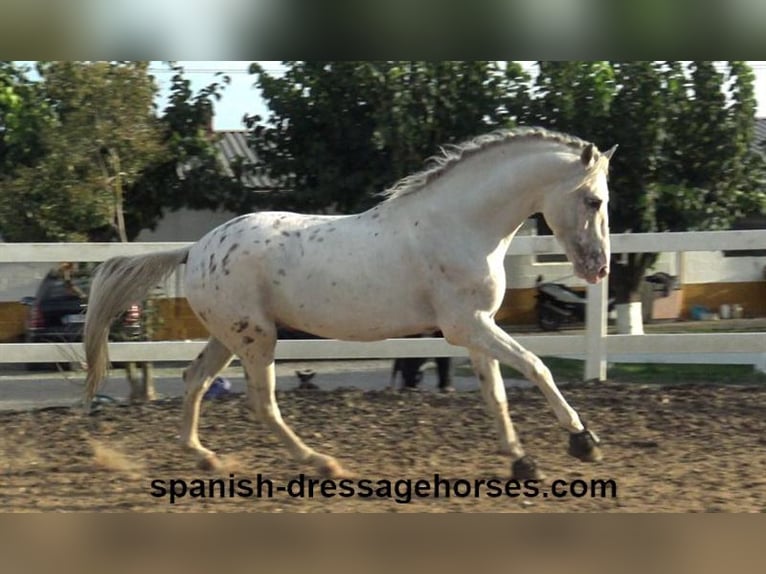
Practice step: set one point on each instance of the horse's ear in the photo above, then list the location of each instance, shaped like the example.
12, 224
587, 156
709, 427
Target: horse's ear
610, 153
587, 155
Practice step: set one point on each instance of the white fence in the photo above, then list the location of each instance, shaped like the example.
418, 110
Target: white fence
595, 346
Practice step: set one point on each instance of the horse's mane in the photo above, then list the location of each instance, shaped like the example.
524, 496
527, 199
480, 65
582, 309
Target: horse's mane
452, 154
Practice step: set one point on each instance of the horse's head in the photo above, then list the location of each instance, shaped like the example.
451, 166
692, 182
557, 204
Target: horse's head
578, 215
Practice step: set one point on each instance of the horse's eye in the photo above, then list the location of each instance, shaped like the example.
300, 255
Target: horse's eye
593, 203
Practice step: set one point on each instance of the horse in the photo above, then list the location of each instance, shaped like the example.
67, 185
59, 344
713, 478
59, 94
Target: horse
429, 256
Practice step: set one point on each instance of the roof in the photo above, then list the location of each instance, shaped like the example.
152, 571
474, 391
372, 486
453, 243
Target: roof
235, 153
760, 134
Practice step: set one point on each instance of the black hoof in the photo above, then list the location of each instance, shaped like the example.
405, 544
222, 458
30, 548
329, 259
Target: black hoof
584, 445
525, 468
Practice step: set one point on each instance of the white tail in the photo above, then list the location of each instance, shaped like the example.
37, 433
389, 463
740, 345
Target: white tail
118, 283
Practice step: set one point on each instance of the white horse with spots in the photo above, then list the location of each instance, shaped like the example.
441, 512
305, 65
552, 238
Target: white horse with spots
430, 256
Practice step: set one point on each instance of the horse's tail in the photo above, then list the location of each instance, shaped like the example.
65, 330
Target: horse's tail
117, 283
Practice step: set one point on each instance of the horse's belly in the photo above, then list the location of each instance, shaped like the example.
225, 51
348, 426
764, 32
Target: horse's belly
362, 312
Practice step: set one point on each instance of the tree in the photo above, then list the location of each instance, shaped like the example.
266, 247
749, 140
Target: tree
188, 173
341, 132
101, 135
24, 115
86, 157
685, 159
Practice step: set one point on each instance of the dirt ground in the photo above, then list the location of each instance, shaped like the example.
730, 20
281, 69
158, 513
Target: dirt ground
692, 448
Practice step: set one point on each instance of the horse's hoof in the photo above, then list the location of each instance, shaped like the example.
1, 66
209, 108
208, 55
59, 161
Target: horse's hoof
525, 468
584, 445
331, 468
210, 463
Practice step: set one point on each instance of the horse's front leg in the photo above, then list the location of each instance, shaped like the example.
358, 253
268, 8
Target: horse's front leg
487, 371
483, 335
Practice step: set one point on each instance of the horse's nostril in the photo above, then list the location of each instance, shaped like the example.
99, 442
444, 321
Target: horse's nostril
603, 272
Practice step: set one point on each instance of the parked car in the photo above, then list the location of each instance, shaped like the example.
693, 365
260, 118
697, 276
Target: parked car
57, 313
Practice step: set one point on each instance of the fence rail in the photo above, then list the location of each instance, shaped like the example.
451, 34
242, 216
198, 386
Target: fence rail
594, 345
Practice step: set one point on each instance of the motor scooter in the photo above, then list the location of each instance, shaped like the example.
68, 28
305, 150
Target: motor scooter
558, 305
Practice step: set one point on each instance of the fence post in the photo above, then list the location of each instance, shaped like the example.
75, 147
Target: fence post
595, 332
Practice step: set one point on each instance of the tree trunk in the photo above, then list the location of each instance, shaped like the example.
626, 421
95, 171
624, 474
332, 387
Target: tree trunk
119, 211
625, 280
140, 390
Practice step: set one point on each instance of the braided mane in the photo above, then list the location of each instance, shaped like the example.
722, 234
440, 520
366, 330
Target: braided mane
451, 155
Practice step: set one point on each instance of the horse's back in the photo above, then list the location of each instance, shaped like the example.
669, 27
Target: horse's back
334, 276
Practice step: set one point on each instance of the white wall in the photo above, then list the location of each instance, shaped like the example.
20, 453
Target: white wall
19, 280
704, 267
185, 225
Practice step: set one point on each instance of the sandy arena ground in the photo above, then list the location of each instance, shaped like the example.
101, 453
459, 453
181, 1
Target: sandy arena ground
691, 448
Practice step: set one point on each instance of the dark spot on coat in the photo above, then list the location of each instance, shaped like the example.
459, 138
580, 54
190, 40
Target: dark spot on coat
286, 233
267, 241
375, 215
258, 329
297, 234
334, 283
275, 282
376, 234
442, 269
241, 325
281, 272
222, 238
202, 316
417, 223
248, 340
320, 240
481, 377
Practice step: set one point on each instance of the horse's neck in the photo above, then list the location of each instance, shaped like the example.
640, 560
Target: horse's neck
495, 193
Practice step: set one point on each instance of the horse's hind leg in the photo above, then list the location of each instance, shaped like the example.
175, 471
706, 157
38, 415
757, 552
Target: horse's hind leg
258, 359
487, 371
197, 377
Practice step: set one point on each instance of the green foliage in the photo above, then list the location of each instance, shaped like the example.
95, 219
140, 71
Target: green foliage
685, 160
101, 134
341, 132
23, 117
187, 174
84, 155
